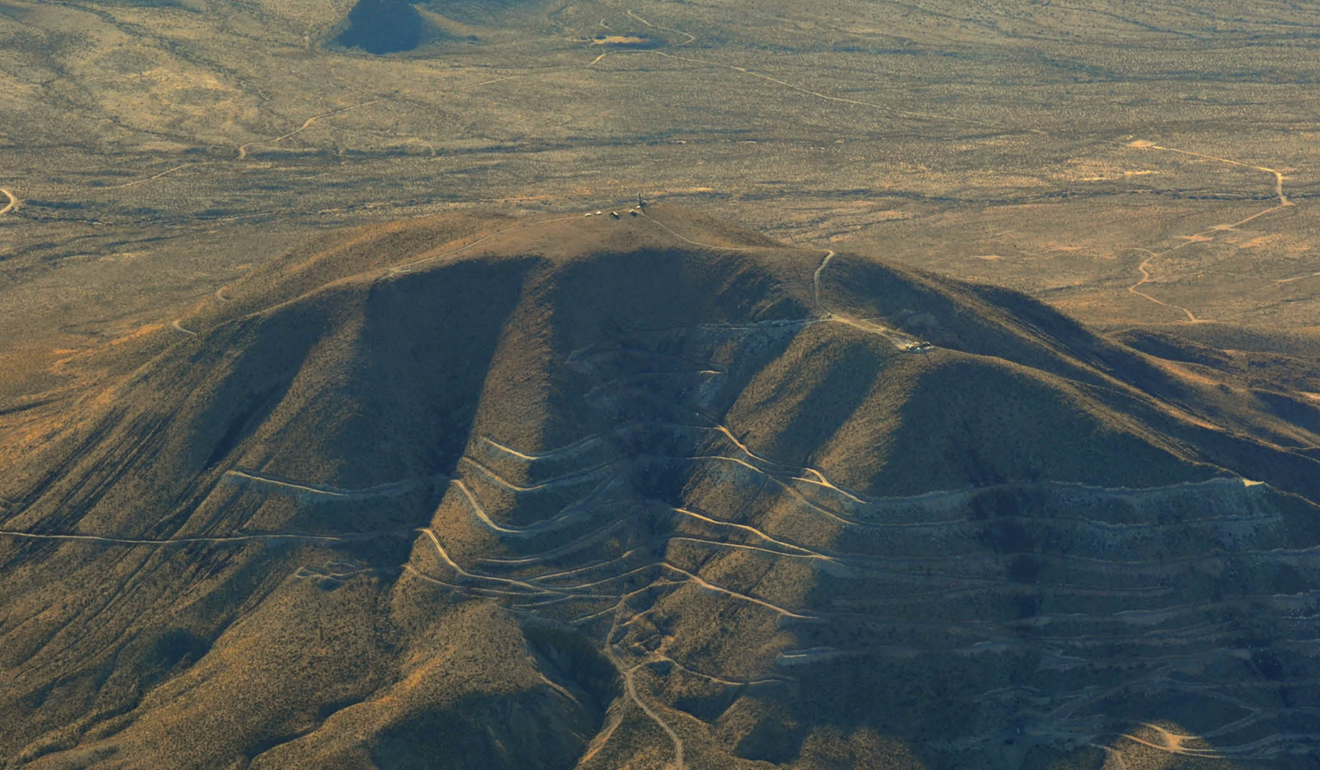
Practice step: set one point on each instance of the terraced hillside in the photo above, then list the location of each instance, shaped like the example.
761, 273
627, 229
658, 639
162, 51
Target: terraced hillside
649, 491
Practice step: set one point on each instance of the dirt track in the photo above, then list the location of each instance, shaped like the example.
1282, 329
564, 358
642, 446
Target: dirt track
11, 205
243, 150
631, 689
815, 277
178, 328
1204, 235
230, 539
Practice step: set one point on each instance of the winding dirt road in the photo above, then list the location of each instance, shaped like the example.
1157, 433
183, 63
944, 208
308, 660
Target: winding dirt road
569, 479
179, 328
11, 205
229, 539
631, 689
243, 149
318, 492
690, 37
567, 449
1204, 235
815, 279
957, 577
673, 736
899, 340
148, 179
1145, 279
545, 525
1278, 176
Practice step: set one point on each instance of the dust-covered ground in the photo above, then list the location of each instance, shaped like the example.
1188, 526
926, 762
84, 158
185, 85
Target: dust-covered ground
1127, 164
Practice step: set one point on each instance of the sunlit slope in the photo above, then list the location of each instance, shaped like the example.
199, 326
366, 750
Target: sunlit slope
645, 491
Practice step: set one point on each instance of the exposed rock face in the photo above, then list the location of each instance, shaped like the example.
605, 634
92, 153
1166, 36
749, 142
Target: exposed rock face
646, 492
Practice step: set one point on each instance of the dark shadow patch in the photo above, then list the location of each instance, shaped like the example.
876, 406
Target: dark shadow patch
1267, 663
169, 655
329, 584
266, 744
662, 479
176, 646
708, 706
1003, 530
328, 710
526, 730
977, 468
383, 27
1301, 413
1024, 568
243, 423
769, 741
570, 659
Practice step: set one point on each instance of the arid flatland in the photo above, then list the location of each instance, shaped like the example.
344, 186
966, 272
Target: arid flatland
160, 149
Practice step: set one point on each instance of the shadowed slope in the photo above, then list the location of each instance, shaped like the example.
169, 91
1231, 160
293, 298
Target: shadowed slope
647, 491
383, 26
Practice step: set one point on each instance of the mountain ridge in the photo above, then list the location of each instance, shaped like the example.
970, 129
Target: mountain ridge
644, 490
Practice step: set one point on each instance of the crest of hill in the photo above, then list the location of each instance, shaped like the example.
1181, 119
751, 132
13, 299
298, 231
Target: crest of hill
408, 338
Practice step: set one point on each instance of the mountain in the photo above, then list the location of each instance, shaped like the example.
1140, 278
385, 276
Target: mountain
643, 489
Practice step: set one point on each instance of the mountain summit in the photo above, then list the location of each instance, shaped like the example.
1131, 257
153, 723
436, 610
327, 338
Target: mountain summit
642, 489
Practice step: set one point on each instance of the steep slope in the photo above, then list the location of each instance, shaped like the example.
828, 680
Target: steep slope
650, 492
